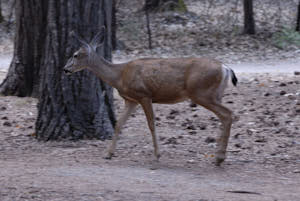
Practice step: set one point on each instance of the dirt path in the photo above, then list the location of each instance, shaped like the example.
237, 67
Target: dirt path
76, 180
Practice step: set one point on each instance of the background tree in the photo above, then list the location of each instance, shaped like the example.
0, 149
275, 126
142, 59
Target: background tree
249, 23
298, 18
1, 16
70, 107
23, 76
177, 5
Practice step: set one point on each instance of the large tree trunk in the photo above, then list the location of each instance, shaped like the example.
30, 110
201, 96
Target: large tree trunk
249, 23
23, 75
78, 106
175, 5
298, 18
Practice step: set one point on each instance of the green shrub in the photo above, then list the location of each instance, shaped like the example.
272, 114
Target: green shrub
286, 37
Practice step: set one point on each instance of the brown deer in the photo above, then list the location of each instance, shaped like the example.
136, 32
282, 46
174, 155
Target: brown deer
157, 80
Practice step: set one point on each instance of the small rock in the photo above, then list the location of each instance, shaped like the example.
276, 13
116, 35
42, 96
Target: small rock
202, 127
174, 112
282, 84
7, 123
296, 171
267, 94
297, 73
191, 161
4, 118
193, 105
3, 108
236, 136
192, 132
191, 127
210, 140
282, 93
261, 140
171, 140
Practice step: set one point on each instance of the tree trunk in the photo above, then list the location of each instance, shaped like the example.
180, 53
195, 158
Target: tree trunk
78, 106
114, 26
249, 23
298, 18
23, 75
1, 16
173, 5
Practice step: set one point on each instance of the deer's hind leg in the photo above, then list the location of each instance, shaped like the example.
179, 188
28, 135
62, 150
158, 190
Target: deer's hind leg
225, 116
147, 107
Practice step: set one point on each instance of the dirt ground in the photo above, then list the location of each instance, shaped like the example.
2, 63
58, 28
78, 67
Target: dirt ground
263, 160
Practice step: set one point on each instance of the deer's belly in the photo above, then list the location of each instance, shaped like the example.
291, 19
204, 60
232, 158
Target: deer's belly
169, 97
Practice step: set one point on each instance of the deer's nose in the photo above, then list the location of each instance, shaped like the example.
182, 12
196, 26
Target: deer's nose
68, 72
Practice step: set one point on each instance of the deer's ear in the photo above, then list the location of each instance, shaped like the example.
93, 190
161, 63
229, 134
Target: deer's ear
98, 38
82, 41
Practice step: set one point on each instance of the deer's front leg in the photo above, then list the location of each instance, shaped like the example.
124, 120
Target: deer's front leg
129, 108
147, 107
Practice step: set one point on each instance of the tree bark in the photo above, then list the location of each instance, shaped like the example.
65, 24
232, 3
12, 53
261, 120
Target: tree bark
1, 16
298, 18
78, 106
174, 5
23, 75
249, 23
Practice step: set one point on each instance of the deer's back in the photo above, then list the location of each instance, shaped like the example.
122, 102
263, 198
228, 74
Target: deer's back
168, 80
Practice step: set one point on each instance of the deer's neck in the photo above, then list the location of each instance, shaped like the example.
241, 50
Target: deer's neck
108, 72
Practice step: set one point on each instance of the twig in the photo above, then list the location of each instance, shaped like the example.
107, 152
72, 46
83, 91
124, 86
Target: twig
244, 192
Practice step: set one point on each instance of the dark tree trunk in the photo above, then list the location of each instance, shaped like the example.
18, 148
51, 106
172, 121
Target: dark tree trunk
78, 106
1, 16
175, 5
23, 75
249, 23
114, 26
298, 18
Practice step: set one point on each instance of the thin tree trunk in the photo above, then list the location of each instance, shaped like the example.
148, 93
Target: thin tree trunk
249, 23
298, 18
78, 106
148, 29
114, 25
1, 16
23, 75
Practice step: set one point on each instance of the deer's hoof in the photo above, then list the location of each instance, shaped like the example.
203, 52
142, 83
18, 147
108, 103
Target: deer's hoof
219, 161
109, 156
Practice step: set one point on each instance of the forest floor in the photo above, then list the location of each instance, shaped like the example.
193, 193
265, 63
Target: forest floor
263, 158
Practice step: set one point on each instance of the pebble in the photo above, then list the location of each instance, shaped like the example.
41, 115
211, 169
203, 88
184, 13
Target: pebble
296, 171
297, 73
210, 140
7, 123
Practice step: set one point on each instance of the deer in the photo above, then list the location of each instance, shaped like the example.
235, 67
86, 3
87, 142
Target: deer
146, 81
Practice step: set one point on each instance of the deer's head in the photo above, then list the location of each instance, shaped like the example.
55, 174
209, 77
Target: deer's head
81, 58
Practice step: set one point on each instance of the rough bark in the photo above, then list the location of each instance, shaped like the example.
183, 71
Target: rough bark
173, 5
78, 106
249, 23
23, 75
114, 26
298, 18
1, 16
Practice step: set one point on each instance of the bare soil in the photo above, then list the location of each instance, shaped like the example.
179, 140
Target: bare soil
263, 160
